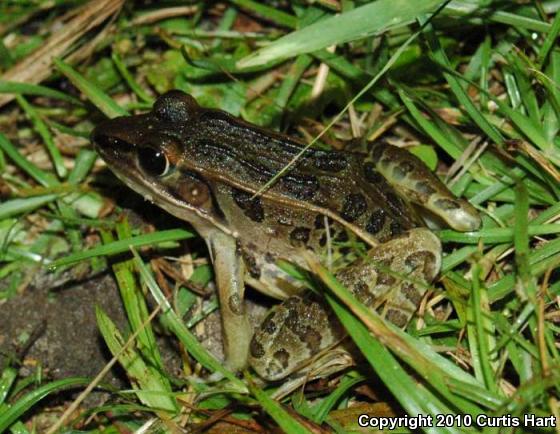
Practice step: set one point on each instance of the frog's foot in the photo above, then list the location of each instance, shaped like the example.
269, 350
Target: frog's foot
414, 181
324, 365
291, 335
395, 276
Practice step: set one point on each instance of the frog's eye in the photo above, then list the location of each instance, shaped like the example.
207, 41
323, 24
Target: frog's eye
152, 161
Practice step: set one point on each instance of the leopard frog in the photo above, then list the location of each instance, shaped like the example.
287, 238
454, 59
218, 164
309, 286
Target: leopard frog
204, 166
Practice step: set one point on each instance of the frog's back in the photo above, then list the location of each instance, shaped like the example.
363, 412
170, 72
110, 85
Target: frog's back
240, 158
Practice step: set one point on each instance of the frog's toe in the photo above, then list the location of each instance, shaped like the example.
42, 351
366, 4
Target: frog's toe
457, 213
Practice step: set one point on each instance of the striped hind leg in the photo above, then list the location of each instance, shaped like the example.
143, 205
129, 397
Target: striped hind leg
394, 277
414, 181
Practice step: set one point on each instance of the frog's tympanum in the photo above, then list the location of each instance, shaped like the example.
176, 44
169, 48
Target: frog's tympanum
205, 166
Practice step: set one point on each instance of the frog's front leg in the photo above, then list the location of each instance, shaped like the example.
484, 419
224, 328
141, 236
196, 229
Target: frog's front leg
230, 271
414, 182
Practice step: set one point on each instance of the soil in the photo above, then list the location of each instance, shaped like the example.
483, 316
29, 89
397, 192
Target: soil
56, 330
51, 325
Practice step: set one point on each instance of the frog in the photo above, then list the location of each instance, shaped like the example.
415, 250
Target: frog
212, 170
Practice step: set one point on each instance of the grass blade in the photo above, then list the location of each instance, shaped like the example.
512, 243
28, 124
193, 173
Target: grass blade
275, 410
178, 327
362, 22
45, 134
36, 90
92, 92
46, 179
124, 245
149, 383
26, 402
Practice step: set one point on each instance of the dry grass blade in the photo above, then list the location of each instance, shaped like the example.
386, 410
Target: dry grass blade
162, 14
541, 160
38, 65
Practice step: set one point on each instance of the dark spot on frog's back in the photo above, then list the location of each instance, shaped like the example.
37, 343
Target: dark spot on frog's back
424, 188
410, 292
394, 202
306, 334
269, 324
300, 235
251, 264
363, 293
312, 339
330, 161
300, 187
385, 279
376, 221
354, 206
377, 151
401, 170
424, 259
252, 208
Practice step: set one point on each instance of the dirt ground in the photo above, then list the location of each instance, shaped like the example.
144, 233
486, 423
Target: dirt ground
57, 330
53, 327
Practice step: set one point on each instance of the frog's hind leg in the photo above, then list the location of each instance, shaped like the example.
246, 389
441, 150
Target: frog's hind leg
293, 333
414, 181
394, 277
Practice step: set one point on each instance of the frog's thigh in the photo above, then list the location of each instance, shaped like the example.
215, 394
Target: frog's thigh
230, 271
301, 327
395, 275
414, 181
291, 334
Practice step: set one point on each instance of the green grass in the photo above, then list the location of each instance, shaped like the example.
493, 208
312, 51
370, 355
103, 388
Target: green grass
472, 88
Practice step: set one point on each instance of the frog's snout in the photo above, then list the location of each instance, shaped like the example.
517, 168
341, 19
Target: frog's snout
114, 138
108, 143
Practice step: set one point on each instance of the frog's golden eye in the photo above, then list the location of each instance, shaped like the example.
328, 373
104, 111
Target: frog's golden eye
153, 162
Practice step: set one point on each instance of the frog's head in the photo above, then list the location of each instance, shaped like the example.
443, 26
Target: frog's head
145, 152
